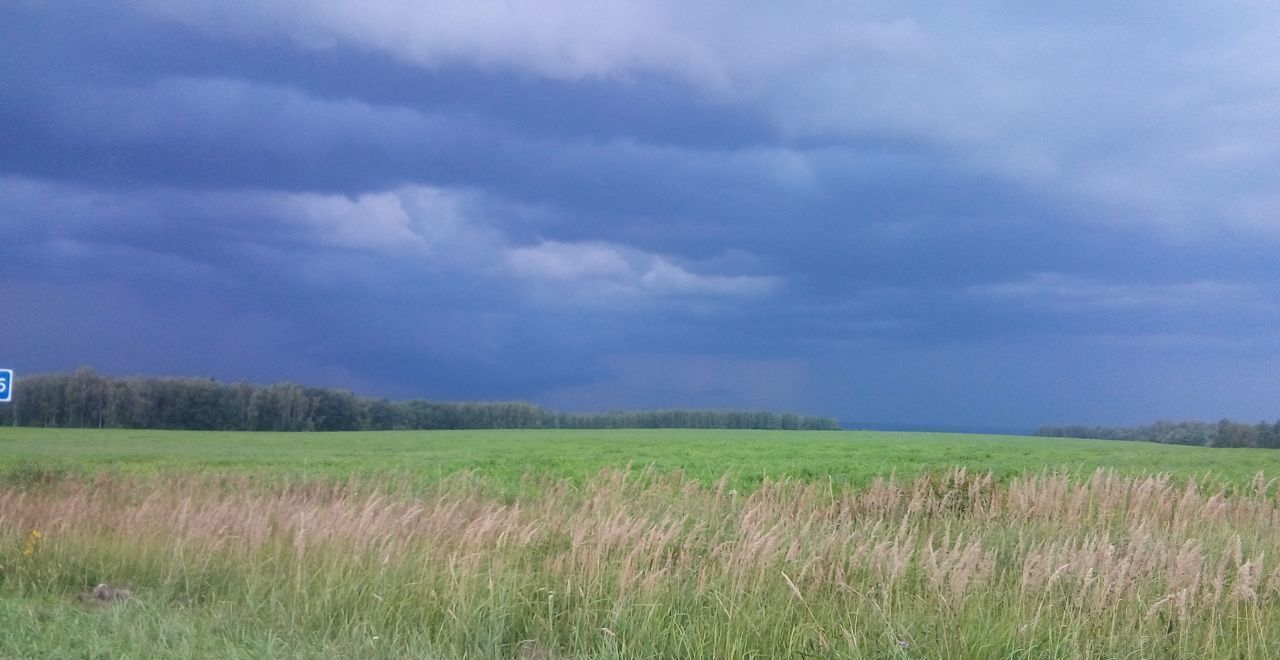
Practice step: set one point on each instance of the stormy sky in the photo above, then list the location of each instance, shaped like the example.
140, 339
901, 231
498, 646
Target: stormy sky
985, 213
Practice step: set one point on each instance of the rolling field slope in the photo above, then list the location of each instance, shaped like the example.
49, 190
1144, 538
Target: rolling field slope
712, 544
424, 456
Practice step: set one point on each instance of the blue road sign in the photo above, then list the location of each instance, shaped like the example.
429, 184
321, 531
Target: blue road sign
6, 385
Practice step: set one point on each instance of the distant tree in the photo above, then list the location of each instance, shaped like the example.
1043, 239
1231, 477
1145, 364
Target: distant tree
1232, 434
84, 398
1224, 433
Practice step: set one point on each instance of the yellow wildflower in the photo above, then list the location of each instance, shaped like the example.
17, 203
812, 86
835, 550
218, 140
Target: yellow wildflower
33, 542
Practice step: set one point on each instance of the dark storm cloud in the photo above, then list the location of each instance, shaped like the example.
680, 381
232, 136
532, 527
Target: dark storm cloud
987, 214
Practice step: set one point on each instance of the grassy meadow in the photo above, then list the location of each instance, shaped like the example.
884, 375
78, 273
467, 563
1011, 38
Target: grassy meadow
504, 457
634, 544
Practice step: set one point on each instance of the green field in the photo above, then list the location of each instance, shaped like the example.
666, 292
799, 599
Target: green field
633, 544
504, 456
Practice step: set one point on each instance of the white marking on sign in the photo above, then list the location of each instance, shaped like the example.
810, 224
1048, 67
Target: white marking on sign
6, 385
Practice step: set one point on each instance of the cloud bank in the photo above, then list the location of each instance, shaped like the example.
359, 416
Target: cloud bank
884, 211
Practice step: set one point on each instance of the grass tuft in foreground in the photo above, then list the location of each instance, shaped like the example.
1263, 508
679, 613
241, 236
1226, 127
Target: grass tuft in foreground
641, 564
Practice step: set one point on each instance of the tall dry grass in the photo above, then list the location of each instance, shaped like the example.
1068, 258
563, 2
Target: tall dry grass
641, 564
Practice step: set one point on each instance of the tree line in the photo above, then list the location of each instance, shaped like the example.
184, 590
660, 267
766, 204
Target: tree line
1225, 433
86, 399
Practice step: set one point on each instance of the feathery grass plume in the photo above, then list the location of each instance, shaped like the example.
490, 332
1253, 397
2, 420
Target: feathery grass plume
955, 563
1247, 580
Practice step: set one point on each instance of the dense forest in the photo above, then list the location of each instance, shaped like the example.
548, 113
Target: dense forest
87, 399
1225, 433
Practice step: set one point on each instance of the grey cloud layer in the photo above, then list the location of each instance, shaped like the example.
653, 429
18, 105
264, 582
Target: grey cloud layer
1143, 106
434, 229
572, 201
